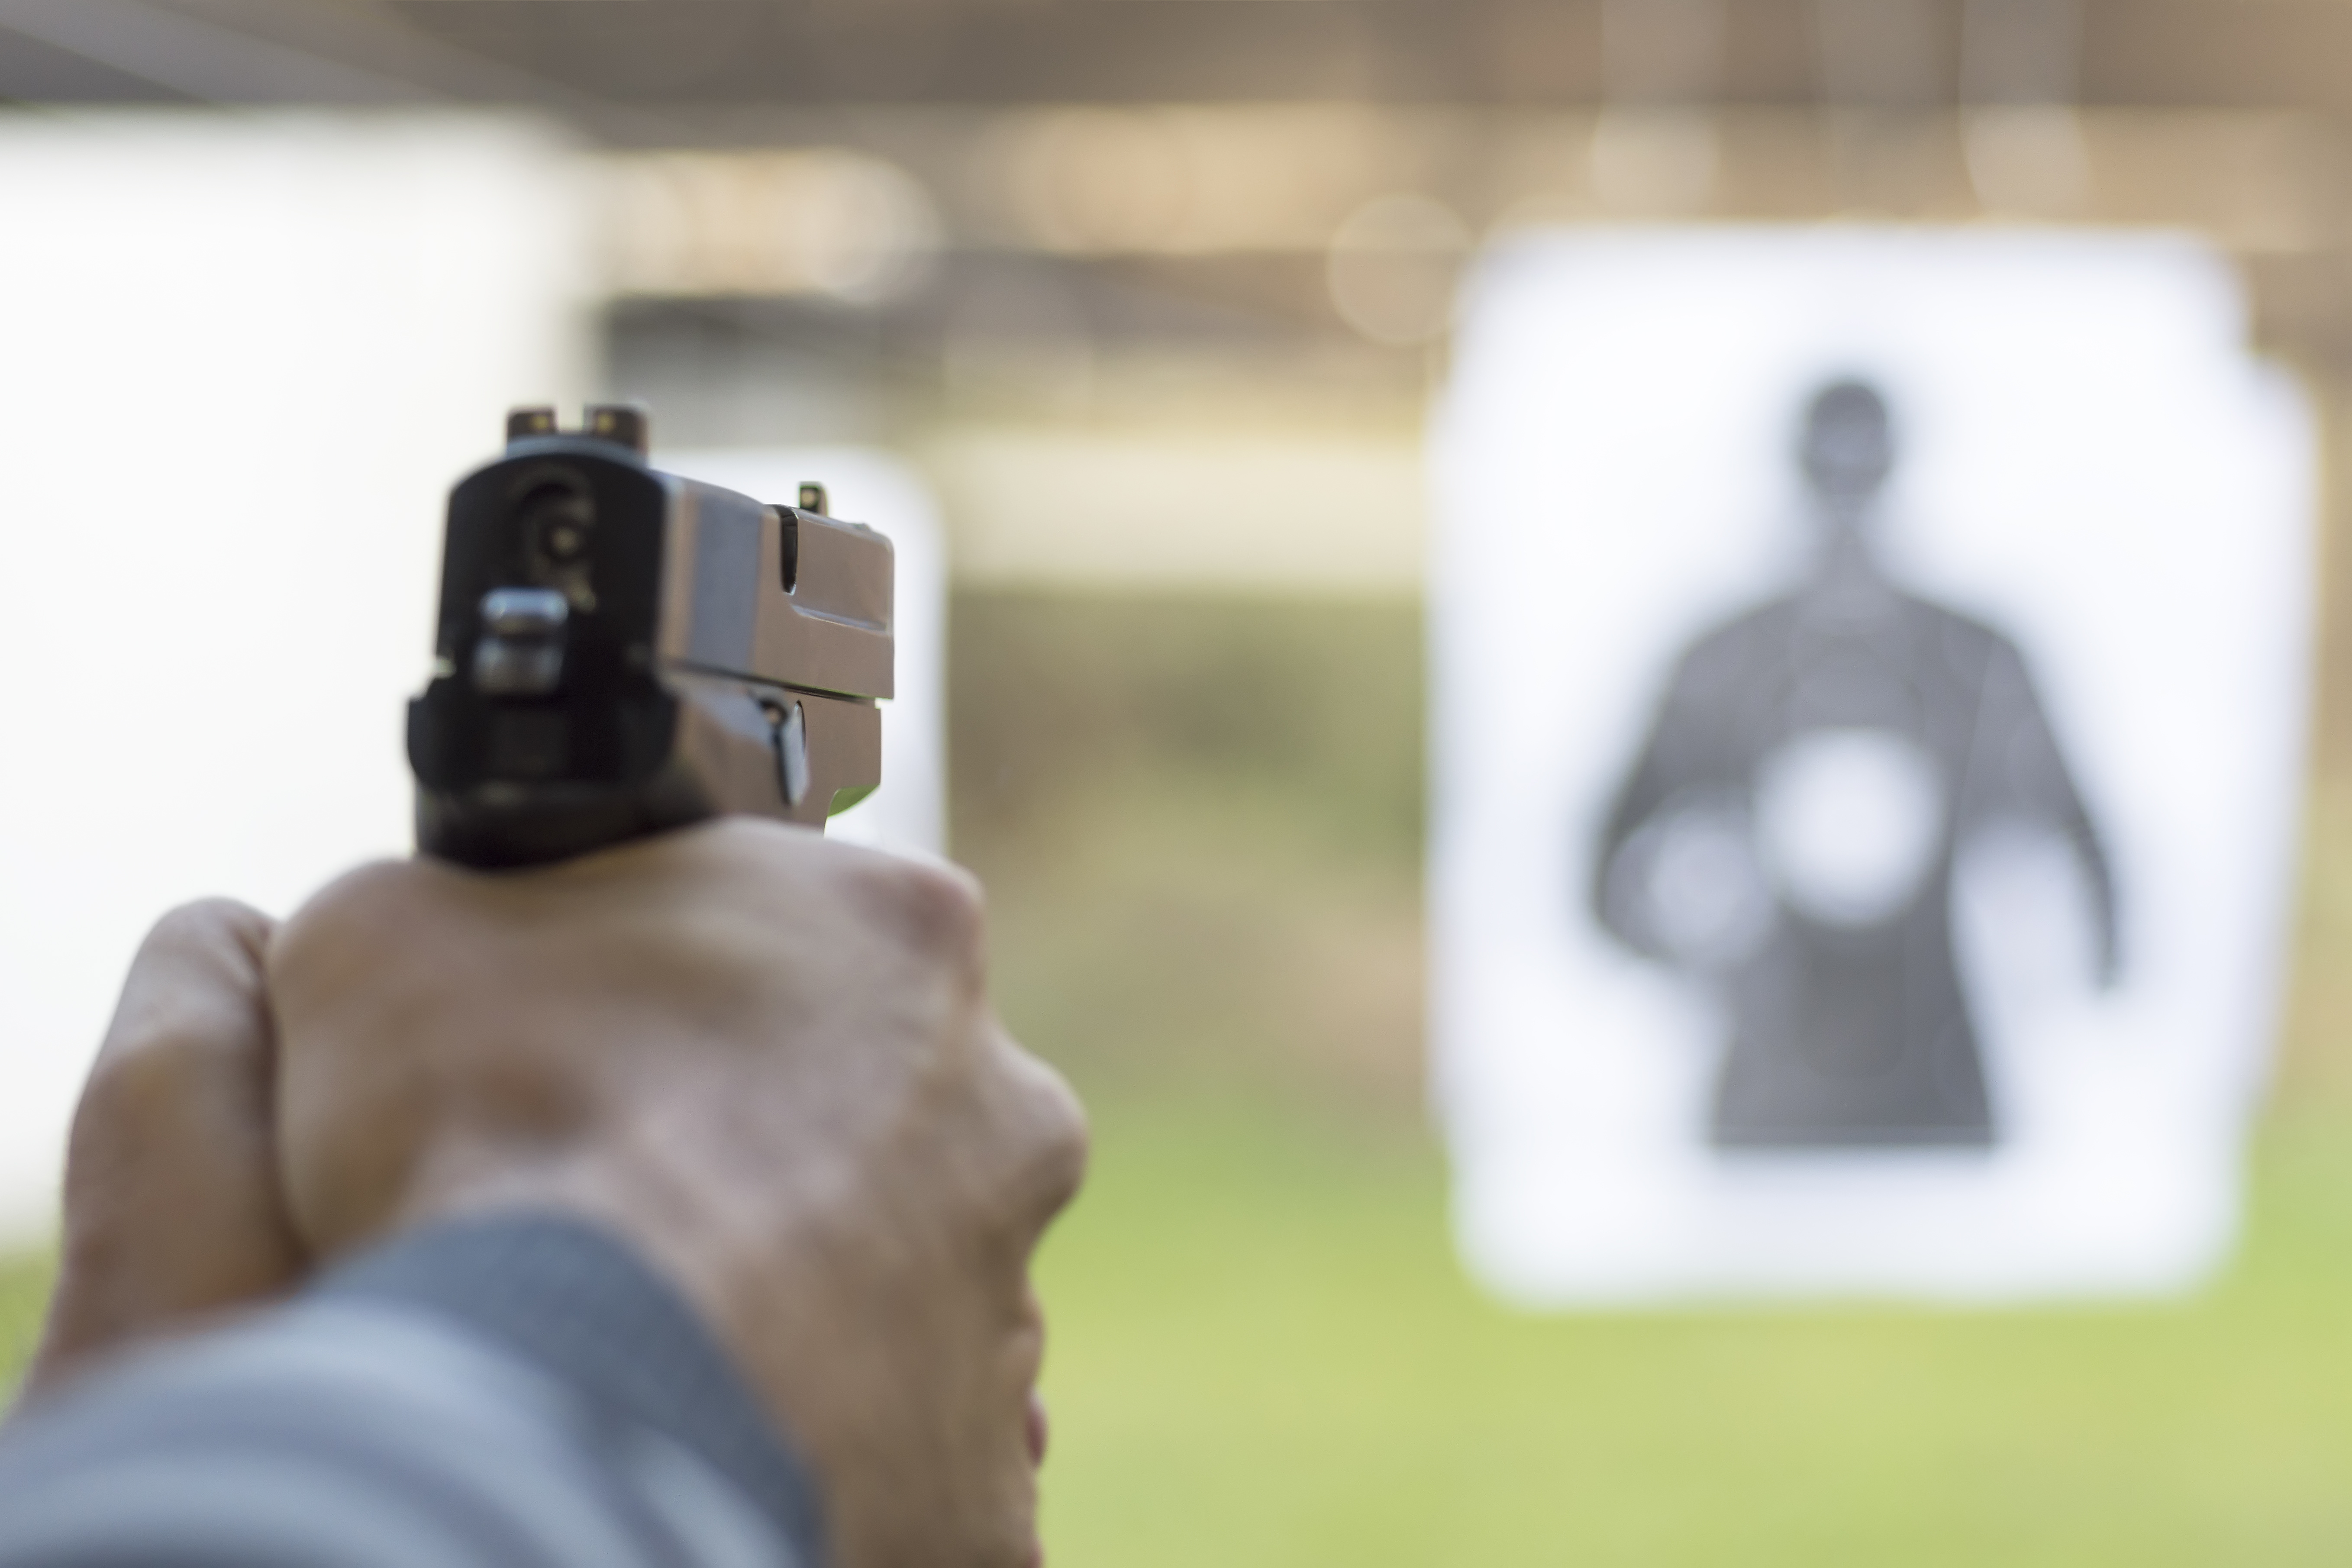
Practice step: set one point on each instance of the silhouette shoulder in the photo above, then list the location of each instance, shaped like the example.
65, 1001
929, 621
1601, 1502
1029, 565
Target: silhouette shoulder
1728, 654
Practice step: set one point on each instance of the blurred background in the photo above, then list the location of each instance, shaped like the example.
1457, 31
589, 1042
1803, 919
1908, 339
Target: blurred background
1151, 295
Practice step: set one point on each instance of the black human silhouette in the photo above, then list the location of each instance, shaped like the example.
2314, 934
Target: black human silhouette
1849, 1025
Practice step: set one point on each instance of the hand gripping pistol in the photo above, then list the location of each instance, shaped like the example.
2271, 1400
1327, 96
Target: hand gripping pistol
622, 651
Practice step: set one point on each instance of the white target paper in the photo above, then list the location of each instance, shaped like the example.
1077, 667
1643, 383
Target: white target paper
1862, 851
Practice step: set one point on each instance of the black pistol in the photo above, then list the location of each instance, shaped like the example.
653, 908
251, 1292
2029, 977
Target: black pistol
620, 651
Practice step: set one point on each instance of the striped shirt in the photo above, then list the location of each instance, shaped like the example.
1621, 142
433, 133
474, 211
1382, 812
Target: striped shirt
511, 1393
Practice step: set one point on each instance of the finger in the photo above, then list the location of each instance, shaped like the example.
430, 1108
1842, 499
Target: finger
1040, 1127
197, 983
1035, 1429
172, 1204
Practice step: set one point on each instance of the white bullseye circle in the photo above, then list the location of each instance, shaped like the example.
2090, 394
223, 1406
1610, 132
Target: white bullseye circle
1848, 822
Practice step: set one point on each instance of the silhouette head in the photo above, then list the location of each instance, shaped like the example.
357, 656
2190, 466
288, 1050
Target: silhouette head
1848, 447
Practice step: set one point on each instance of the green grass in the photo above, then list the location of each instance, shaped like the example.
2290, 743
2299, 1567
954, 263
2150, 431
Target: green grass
1263, 1353
24, 1295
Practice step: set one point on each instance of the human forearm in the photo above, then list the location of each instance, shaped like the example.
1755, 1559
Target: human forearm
496, 1393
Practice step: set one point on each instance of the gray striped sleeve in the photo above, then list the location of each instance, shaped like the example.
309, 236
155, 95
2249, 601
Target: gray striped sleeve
389, 1420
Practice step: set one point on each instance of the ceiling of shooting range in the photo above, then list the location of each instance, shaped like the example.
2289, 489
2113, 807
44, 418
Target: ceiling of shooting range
1262, 193
1070, 252
685, 55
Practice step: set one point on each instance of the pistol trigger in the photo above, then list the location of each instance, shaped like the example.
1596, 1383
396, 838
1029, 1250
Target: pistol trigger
788, 733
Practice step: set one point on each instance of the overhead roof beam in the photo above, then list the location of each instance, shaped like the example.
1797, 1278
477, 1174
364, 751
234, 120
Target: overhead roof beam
196, 58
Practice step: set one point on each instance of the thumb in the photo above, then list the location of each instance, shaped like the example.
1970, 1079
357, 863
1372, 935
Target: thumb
172, 1209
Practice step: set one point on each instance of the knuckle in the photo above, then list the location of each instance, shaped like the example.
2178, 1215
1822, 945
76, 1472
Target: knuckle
939, 907
199, 917
1069, 1144
370, 896
1062, 1165
193, 993
1053, 1142
211, 926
